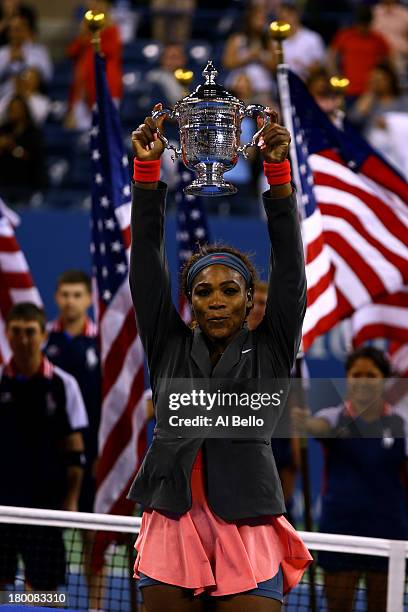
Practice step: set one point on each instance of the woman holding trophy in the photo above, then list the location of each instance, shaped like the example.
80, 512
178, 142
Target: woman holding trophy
213, 536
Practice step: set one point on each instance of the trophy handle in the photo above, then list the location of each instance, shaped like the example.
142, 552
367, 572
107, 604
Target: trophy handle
171, 114
248, 112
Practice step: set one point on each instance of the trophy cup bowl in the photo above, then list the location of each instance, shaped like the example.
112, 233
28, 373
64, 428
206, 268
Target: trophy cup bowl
210, 127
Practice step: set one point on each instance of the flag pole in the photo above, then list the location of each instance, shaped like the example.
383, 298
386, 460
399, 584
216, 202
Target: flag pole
279, 31
96, 22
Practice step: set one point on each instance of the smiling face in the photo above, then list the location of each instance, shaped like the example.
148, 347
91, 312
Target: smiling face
365, 382
220, 301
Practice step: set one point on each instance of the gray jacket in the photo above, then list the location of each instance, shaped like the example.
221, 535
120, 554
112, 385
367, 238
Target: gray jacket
241, 475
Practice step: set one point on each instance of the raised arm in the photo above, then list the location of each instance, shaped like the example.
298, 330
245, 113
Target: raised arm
286, 302
157, 318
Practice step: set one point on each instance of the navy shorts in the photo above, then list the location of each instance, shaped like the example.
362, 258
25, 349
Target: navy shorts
272, 588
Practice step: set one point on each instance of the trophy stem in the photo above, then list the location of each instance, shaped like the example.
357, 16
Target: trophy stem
210, 181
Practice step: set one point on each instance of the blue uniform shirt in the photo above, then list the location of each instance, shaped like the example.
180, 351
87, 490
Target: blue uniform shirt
36, 414
364, 490
79, 355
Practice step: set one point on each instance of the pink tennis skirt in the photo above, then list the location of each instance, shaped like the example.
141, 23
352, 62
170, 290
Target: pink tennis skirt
200, 551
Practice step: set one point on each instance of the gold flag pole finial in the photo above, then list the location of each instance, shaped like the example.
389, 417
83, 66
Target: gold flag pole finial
279, 30
338, 86
184, 77
96, 22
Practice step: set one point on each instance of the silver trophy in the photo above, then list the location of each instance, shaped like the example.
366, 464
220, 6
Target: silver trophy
210, 127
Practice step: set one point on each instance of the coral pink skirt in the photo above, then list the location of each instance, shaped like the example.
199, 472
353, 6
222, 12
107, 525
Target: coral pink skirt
200, 551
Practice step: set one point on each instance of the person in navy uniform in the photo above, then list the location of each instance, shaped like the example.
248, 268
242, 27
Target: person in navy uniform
365, 450
42, 416
73, 345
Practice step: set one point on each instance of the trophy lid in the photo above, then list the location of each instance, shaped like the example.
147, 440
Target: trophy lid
210, 90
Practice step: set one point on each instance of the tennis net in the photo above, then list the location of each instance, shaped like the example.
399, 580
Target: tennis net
78, 561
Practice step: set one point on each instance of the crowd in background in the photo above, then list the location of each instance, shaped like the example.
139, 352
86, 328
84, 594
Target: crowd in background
45, 103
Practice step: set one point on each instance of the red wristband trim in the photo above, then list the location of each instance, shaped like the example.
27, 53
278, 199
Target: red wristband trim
277, 174
146, 171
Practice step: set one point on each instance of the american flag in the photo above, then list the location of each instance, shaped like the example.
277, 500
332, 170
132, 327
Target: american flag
398, 352
355, 221
16, 283
386, 317
192, 229
122, 434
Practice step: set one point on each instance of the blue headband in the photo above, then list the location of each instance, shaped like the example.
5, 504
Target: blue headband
221, 259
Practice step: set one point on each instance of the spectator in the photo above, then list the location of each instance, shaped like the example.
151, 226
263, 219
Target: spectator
21, 153
330, 101
22, 52
364, 442
15, 8
251, 50
172, 57
27, 85
73, 345
383, 95
304, 49
83, 91
172, 21
356, 50
391, 20
41, 451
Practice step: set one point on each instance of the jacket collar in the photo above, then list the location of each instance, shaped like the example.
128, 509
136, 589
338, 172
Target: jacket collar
231, 356
46, 369
89, 330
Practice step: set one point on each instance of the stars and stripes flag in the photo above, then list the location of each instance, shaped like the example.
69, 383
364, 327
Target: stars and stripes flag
192, 228
386, 317
122, 434
398, 352
355, 217
16, 283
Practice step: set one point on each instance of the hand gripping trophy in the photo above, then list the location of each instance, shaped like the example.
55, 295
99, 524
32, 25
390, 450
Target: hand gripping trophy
210, 126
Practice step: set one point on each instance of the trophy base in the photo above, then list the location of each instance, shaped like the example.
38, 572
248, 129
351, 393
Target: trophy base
210, 182
210, 190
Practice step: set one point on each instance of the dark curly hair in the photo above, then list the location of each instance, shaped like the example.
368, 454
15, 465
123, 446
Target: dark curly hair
217, 248
378, 357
